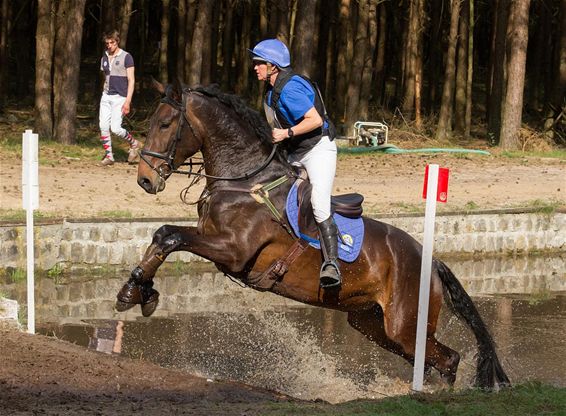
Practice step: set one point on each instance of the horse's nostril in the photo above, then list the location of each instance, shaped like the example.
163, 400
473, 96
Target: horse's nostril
145, 183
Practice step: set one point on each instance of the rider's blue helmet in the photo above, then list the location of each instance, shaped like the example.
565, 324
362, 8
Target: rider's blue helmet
273, 51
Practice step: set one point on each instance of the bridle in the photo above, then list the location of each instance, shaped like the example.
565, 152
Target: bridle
164, 170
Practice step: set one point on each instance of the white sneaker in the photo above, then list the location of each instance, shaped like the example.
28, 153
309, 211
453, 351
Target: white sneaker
133, 156
107, 161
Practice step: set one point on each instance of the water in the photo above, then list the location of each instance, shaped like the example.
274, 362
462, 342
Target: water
209, 326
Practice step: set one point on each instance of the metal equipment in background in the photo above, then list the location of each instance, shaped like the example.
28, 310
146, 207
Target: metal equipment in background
370, 133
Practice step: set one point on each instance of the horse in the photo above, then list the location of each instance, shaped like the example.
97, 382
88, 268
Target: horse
242, 231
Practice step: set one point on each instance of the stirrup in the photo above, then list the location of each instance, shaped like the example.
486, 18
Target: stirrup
329, 279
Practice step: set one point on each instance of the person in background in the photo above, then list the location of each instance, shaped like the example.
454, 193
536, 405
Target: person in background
296, 113
117, 66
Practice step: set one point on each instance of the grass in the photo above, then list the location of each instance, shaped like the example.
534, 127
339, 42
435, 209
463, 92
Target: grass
527, 399
545, 207
15, 275
56, 273
53, 153
115, 214
20, 215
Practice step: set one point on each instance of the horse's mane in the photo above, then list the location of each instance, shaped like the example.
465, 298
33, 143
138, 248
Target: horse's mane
252, 117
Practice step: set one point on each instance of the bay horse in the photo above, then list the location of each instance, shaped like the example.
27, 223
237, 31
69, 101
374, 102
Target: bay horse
252, 243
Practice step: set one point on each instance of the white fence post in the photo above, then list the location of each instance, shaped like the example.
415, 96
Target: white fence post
30, 196
426, 267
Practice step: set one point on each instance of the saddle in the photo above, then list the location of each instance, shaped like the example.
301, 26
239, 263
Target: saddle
346, 205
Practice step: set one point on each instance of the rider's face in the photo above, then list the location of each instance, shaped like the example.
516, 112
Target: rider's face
260, 69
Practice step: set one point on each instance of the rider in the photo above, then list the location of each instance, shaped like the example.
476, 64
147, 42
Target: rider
296, 113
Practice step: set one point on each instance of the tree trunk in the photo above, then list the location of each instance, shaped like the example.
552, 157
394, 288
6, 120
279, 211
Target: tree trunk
263, 19
108, 15
200, 41
210, 47
411, 47
5, 29
181, 40
243, 63
470, 83
355, 84
556, 108
125, 15
518, 36
497, 72
68, 51
302, 50
164, 43
379, 71
460, 97
228, 45
43, 65
283, 27
366, 92
434, 61
342, 64
190, 29
444, 128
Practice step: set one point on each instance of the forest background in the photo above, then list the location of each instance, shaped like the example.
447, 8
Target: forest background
495, 69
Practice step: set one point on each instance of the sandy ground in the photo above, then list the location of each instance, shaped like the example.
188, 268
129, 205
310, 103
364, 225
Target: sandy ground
389, 183
40, 375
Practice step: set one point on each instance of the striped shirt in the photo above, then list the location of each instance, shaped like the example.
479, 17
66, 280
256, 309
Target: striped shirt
114, 68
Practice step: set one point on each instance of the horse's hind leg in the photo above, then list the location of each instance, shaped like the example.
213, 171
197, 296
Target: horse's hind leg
374, 326
370, 323
139, 288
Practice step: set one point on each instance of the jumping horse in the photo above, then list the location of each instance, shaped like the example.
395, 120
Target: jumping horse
242, 230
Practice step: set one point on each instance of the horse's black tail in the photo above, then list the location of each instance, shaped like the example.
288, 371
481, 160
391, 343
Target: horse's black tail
489, 372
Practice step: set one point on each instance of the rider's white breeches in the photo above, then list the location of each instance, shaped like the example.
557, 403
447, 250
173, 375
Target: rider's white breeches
320, 164
110, 116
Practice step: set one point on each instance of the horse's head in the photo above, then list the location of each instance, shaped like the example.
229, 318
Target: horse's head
166, 147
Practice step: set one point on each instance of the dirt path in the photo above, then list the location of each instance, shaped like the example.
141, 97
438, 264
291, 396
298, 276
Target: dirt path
390, 184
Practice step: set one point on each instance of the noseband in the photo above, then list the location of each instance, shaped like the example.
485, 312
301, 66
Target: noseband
166, 169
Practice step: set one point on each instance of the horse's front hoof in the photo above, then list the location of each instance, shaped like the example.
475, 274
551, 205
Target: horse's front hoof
123, 306
150, 301
129, 296
148, 308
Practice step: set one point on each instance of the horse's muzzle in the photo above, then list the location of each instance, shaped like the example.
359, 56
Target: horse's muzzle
151, 187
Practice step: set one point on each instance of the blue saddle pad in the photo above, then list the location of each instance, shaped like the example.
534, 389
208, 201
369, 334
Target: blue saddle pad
351, 229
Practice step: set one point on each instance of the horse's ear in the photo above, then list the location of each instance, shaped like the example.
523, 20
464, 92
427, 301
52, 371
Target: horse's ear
177, 89
158, 86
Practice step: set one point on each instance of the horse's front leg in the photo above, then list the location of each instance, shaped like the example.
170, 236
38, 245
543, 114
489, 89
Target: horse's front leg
166, 240
139, 288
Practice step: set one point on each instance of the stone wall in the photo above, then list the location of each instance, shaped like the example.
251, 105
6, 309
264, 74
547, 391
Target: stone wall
122, 242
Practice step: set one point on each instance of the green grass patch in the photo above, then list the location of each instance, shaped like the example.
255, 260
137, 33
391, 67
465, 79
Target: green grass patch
545, 207
523, 400
15, 274
115, 214
20, 215
56, 273
471, 206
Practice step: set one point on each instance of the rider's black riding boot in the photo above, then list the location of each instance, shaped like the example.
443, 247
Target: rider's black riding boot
329, 272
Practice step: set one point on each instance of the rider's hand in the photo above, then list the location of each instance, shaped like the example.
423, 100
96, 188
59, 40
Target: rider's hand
126, 109
279, 135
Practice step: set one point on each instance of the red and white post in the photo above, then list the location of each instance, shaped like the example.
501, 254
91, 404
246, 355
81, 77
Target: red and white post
434, 190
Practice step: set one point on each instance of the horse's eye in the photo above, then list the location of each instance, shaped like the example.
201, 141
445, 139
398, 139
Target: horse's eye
164, 125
